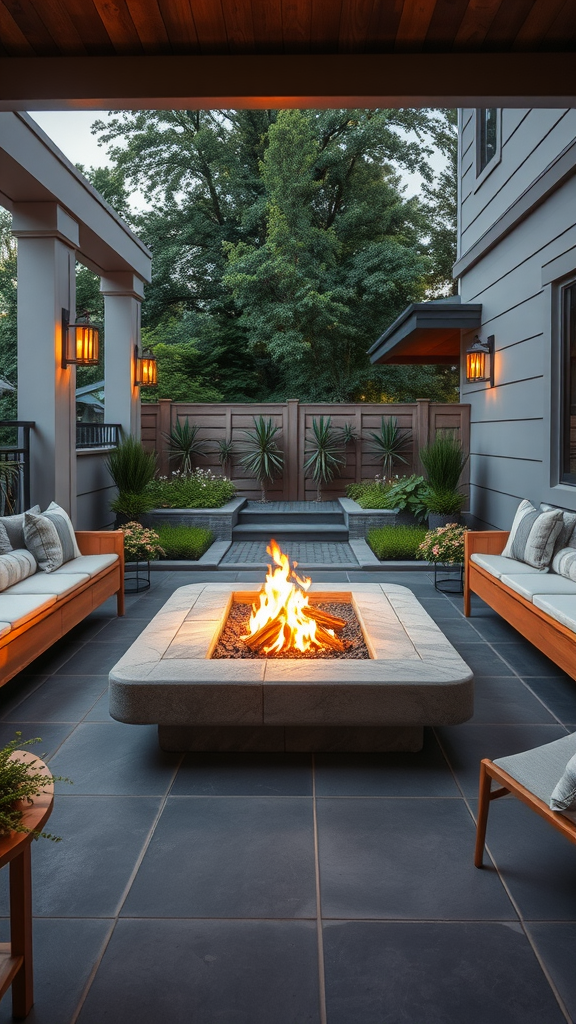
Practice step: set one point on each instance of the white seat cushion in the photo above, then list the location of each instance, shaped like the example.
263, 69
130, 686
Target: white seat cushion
529, 584
18, 609
5, 627
562, 608
58, 584
539, 770
497, 565
91, 564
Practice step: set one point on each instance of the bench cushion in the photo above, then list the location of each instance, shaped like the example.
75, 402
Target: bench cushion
559, 607
17, 609
58, 584
528, 584
539, 770
5, 627
497, 565
16, 566
91, 564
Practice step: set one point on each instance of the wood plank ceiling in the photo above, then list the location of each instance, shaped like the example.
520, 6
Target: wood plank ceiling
54, 28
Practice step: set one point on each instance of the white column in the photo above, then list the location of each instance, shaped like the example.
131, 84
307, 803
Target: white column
47, 239
123, 293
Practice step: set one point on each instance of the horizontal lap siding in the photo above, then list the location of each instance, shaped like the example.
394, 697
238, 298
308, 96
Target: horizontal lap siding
510, 426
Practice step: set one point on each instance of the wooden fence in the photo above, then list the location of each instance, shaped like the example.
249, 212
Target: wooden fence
418, 420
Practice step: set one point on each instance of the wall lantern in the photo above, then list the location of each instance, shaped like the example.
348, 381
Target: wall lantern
146, 373
480, 361
79, 341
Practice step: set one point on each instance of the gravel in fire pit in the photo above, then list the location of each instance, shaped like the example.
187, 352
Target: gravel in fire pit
231, 646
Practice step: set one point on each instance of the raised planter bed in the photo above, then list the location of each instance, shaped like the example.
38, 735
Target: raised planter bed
221, 521
360, 520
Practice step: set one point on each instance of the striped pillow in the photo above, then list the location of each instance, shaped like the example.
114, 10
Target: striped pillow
563, 797
533, 535
16, 566
567, 536
14, 528
564, 563
5, 545
50, 537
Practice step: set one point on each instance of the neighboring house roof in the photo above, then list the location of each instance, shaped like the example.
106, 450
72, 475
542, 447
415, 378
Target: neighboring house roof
5, 386
427, 332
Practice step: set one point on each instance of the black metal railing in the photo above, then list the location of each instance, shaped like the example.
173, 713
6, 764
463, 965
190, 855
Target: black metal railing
14, 466
97, 435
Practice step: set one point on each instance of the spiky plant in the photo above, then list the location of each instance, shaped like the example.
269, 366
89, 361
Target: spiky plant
444, 461
183, 444
349, 435
224, 451
324, 451
131, 466
261, 454
388, 445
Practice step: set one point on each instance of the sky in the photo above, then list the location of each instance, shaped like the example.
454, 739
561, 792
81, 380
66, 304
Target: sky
70, 130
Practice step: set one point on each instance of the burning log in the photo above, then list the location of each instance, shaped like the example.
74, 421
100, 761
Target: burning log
325, 619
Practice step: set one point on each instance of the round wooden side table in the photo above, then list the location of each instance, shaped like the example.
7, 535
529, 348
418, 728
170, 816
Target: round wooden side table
16, 955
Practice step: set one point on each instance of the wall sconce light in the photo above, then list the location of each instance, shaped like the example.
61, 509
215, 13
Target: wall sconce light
79, 341
480, 361
146, 372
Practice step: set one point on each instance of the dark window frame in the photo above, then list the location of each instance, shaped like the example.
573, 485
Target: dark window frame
484, 167
568, 380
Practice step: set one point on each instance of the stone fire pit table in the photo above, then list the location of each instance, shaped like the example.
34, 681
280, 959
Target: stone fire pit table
413, 678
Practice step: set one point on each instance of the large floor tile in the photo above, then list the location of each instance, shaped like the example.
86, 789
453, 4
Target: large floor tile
244, 775
60, 699
403, 859
494, 629
86, 874
425, 773
94, 657
459, 631
209, 972
556, 944
228, 857
113, 758
438, 973
527, 660
53, 660
51, 735
64, 954
502, 699
482, 659
119, 630
536, 862
466, 745
558, 693
13, 693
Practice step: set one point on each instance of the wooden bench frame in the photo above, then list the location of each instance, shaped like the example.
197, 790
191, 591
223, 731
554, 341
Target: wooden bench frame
19, 647
556, 641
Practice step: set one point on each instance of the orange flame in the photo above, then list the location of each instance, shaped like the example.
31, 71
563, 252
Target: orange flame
284, 603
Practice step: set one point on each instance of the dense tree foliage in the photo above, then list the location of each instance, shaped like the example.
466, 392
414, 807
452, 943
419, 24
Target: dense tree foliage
283, 245
8, 355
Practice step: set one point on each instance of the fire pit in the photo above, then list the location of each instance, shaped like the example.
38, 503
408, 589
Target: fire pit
411, 678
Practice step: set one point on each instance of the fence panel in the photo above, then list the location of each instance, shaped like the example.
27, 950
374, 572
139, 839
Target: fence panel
418, 420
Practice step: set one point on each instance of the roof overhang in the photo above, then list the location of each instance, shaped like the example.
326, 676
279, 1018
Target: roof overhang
427, 333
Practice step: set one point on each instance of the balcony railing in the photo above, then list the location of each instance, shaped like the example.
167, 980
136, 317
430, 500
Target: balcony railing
97, 435
14, 466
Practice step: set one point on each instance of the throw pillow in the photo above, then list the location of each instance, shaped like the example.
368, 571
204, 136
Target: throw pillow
62, 521
533, 535
49, 538
5, 545
14, 527
566, 538
16, 566
563, 797
564, 563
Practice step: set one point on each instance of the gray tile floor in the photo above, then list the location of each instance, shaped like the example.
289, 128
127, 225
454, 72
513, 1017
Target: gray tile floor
260, 889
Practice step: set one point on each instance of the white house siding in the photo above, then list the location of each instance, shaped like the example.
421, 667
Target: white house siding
514, 425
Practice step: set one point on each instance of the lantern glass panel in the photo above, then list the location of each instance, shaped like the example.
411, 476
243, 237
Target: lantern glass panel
476, 366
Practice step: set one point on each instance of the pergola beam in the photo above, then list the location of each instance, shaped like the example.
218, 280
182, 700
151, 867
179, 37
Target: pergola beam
306, 80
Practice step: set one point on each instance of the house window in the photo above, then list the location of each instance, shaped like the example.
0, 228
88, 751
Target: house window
569, 384
486, 136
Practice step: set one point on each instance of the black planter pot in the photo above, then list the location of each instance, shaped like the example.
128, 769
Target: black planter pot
437, 519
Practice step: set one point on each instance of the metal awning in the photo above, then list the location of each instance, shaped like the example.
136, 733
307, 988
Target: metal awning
427, 332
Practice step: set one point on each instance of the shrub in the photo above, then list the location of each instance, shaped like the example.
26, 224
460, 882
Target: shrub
131, 466
186, 542
443, 461
407, 494
445, 503
396, 543
445, 545
131, 505
369, 494
200, 489
140, 543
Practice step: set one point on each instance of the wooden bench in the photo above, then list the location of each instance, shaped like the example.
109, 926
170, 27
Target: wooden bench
555, 640
24, 643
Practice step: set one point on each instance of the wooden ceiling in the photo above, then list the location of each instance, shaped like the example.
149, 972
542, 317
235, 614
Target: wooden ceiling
102, 28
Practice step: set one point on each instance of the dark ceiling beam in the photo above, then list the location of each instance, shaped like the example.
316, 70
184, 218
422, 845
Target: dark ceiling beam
317, 80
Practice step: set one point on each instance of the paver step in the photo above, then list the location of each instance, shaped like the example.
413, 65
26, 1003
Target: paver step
246, 554
311, 532
260, 516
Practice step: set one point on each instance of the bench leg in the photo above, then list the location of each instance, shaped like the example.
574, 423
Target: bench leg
120, 601
21, 931
466, 598
483, 808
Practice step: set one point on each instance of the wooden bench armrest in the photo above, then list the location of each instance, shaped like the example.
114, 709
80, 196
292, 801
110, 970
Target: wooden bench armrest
486, 542
101, 542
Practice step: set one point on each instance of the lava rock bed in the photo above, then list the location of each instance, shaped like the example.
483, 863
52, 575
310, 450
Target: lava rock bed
231, 646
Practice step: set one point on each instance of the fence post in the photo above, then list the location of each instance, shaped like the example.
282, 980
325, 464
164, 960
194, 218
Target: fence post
422, 431
163, 426
291, 451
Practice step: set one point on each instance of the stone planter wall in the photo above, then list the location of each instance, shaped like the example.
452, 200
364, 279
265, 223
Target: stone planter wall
220, 521
359, 520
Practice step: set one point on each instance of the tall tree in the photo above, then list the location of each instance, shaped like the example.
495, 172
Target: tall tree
8, 315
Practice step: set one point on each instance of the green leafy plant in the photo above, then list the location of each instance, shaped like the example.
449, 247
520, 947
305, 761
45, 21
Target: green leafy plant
140, 543
349, 435
396, 543
21, 781
388, 445
444, 461
131, 505
445, 545
444, 503
201, 489
131, 466
185, 542
408, 494
369, 494
224, 451
325, 453
184, 444
261, 454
